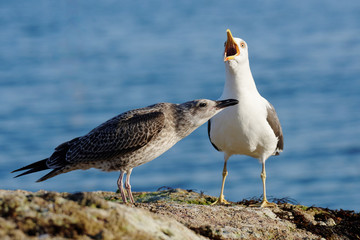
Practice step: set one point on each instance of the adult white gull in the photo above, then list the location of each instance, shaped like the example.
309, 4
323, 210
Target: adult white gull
251, 127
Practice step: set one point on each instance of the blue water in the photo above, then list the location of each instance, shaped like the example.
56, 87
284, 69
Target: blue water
67, 66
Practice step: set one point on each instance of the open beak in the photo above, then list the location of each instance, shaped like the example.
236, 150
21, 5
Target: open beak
231, 48
226, 103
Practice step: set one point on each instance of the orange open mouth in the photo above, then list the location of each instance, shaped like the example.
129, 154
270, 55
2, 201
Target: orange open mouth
231, 48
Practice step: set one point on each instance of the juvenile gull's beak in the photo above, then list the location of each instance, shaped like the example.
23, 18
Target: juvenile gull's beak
231, 48
226, 103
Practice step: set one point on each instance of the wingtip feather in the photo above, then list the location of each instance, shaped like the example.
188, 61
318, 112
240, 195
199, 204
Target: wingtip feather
33, 167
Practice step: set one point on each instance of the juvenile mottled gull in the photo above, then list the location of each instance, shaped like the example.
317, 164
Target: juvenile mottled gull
129, 140
250, 128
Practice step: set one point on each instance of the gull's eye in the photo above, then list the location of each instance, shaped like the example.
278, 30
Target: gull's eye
242, 45
202, 104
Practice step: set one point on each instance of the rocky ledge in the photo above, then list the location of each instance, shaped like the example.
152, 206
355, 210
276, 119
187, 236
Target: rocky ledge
167, 214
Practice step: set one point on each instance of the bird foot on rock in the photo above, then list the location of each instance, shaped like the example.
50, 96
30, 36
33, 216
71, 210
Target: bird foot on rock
263, 204
220, 201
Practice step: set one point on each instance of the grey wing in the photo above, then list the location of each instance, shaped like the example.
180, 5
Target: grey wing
209, 130
274, 123
117, 136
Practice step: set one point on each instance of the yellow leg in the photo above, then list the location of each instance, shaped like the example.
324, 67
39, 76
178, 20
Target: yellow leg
221, 199
265, 202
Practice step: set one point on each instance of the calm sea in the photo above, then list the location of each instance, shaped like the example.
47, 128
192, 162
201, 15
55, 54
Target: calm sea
67, 66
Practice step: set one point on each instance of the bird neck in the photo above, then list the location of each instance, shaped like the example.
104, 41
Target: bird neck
239, 81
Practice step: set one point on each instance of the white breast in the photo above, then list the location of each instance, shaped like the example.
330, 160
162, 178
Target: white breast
243, 128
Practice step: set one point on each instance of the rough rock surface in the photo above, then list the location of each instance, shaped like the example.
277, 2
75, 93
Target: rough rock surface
81, 216
167, 214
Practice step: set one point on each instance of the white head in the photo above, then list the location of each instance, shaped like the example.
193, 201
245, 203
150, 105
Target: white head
236, 52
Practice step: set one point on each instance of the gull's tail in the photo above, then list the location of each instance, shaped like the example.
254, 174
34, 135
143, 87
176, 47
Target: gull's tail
34, 167
40, 166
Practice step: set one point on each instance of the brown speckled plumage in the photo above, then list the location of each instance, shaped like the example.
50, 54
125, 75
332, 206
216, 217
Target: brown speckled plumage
129, 139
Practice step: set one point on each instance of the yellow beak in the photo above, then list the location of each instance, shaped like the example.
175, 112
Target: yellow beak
231, 48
